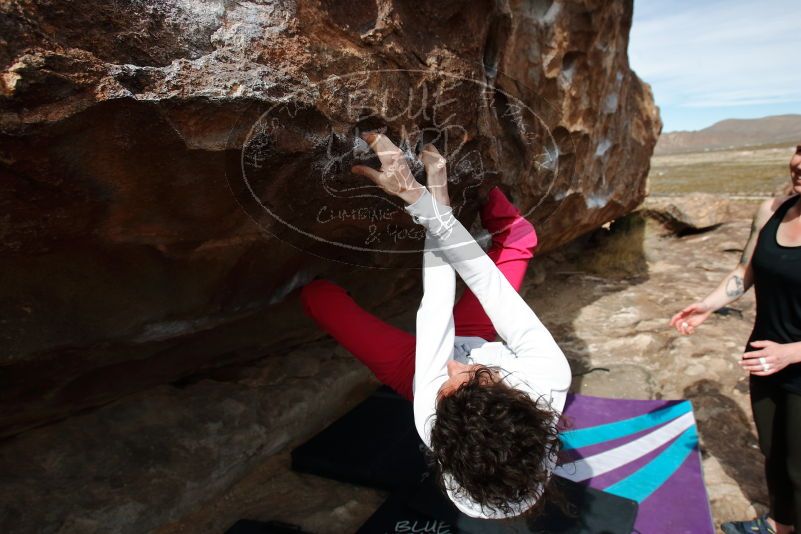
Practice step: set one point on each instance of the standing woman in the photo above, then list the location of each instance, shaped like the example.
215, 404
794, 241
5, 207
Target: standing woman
771, 262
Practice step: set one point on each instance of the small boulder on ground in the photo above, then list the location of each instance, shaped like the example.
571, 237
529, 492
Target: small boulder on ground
689, 213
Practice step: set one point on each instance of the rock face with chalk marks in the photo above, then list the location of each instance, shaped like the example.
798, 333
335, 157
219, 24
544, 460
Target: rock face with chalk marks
131, 258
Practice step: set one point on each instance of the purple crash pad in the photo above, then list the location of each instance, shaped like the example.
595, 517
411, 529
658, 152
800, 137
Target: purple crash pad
645, 450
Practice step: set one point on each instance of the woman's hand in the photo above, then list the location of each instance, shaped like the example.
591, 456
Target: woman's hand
437, 174
395, 177
686, 321
771, 357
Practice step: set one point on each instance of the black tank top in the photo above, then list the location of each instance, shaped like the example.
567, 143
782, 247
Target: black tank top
777, 285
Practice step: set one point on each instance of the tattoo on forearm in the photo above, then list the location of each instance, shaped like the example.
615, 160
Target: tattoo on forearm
735, 287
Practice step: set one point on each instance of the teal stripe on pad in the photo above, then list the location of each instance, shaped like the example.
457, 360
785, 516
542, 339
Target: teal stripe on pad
643, 482
584, 437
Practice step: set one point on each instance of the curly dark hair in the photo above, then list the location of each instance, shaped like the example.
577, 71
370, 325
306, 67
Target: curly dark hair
493, 441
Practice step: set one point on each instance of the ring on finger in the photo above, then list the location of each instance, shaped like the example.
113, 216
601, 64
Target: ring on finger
763, 361
765, 367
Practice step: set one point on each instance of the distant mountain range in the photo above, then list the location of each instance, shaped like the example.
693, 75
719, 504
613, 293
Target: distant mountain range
733, 133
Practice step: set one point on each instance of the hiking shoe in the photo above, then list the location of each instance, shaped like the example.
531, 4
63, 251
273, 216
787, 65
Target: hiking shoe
759, 525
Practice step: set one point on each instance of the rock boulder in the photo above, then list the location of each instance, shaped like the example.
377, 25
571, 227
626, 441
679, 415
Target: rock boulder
172, 170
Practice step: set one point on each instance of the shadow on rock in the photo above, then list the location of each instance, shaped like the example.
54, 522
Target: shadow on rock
618, 252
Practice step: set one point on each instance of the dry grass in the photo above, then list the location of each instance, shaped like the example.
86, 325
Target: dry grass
743, 171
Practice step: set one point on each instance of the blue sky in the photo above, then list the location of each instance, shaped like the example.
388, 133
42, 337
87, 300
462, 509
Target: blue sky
708, 60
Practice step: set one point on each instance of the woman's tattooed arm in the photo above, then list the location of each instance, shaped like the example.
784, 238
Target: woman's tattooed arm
741, 278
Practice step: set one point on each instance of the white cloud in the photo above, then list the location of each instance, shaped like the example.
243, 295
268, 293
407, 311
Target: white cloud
718, 53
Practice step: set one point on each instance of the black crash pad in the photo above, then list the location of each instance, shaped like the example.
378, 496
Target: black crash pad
396, 515
376, 444
591, 512
250, 526
427, 509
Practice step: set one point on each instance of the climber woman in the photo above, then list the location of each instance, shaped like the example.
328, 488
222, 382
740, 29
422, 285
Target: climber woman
771, 262
486, 410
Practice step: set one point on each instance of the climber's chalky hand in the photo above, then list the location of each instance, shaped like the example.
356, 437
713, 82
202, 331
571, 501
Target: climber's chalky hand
436, 174
395, 177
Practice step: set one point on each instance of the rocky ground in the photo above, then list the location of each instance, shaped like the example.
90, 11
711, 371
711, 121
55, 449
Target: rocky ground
146, 463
